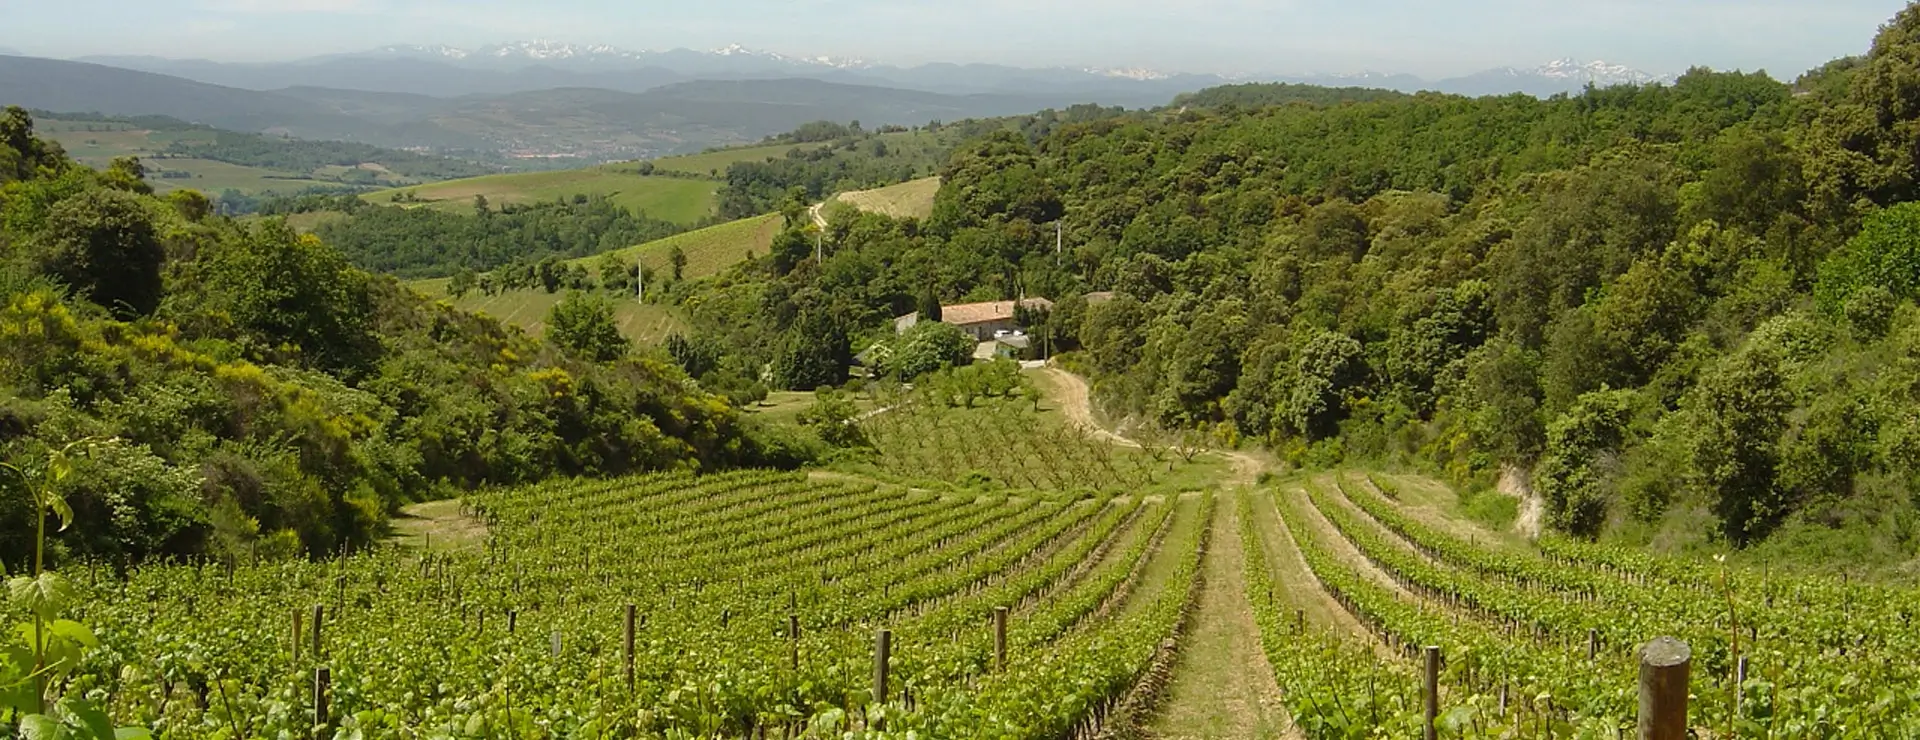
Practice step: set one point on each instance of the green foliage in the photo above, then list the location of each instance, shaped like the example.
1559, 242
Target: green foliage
423, 242
291, 295
279, 401
103, 244
928, 347
1885, 254
1578, 463
583, 323
1739, 412
835, 418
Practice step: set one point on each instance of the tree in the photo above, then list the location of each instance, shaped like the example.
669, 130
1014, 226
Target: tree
462, 282
616, 275
584, 323
1329, 364
835, 418
1885, 254
285, 289
1578, 465
1739, 410
929, 304
813, 353
127, 173
103, 244
677, 257
930, 346
480, 207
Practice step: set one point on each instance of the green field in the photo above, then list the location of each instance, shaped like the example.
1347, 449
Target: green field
668, 198
913, 199
709, 250
645, 324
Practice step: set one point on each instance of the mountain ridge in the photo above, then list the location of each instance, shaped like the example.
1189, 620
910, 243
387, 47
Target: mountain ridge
446, 71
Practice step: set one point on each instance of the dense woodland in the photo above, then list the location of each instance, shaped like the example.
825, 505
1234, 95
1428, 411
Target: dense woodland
424, 242
1684, 313
242, 387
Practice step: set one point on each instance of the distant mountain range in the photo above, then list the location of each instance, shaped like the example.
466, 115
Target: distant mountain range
443, 71
546, 100
593, 124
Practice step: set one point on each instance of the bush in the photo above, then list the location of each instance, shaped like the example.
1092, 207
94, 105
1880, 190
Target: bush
929, 347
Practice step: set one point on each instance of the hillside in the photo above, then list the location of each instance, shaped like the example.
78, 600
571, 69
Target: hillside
708, 251
680, 200
182, 155
644, 324
912, 199
326, 396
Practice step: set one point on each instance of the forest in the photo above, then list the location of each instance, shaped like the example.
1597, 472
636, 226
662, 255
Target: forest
243, 388
1681, 314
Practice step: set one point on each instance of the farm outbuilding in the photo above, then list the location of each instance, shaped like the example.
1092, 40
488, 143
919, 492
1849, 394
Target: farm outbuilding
982, 320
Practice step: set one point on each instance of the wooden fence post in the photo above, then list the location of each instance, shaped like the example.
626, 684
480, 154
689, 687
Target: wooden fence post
882, 652
999, 638
793, 639
1739, 684
1665, 666
629, 651
1430, 686
1593, 644
513, 619
322, 685
319, 643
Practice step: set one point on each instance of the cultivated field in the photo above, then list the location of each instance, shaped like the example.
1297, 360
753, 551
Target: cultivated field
709, 250
912, 199
668, 198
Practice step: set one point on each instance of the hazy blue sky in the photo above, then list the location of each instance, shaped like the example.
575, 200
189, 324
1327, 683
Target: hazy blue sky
1279, 36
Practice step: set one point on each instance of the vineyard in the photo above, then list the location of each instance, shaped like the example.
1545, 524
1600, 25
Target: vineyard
759, 604
1542, 643
736, 605
1008, 440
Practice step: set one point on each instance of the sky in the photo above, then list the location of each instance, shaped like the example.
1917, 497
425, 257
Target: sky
1430, 38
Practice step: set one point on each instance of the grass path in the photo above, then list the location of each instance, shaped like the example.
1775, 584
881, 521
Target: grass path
1222, 686
438, 526
1296, 582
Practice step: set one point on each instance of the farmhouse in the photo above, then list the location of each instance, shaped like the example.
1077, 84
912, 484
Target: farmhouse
982, 320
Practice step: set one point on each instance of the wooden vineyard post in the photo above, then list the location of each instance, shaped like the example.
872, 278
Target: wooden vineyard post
882, 652
793, 638
1593, 644
1430, 686
322, 685
1665, 665
319, 616
999, 638
629, 652
556, 643
513, 619
1300, 621
1739, 684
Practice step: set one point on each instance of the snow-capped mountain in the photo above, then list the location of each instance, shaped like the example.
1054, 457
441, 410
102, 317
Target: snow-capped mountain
1597, 72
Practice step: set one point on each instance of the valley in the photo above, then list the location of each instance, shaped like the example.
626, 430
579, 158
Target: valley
541, 390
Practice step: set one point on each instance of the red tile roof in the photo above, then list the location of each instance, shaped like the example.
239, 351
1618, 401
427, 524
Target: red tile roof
968, 314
